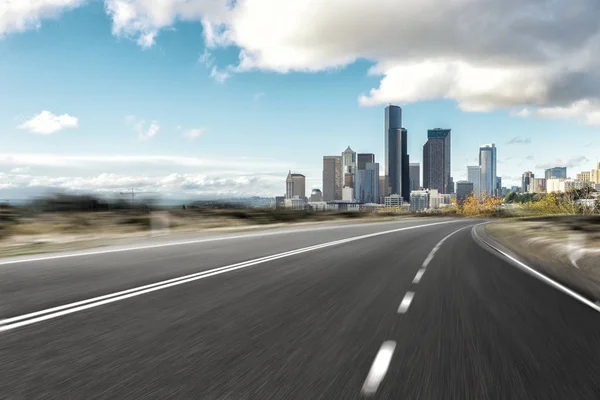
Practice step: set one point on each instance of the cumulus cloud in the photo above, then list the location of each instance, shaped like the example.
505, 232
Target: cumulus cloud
193, 133
484, 54
46, 123
519, 140
535, 58
585, 110
20, 15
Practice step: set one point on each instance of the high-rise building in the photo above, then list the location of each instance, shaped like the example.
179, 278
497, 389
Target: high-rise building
537, 185
556, 173
299, 185
526, 180
363, 158
487, 163
332, 178
349, 166
584, 176
415, 176
437, 161
295, 185
595, 175
396, 154
474, 176
498, 191
367, 184
289, 186
463, 190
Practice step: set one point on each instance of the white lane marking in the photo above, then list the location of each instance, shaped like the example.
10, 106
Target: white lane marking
538, 275
419, 275
437, 247
54, 312
193, 241
408, 298
379, 368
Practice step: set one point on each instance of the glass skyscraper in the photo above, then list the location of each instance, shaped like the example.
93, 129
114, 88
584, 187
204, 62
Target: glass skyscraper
437, 154
487, 163
396, 154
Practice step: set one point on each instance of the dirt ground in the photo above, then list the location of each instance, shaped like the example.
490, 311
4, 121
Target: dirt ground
566, 248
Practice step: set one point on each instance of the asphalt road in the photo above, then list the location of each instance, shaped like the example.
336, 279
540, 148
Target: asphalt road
356, 317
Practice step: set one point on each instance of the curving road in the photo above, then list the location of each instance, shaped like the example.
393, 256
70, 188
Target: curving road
417, 309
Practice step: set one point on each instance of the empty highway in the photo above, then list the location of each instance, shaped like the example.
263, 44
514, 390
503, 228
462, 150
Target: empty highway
414, 309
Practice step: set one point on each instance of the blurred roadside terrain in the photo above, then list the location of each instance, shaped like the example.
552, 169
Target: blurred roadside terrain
566, 248
69, 222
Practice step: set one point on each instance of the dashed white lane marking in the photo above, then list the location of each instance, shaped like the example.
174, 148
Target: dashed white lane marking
408, 298
379, 368
437, 247
54, 312
537, 274
419, 275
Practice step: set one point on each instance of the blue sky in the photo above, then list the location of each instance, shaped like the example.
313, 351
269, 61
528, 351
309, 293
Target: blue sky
164, 104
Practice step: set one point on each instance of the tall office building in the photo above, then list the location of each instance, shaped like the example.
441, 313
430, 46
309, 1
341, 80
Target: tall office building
299, 185
367, 184
349, 167
474, 176
295, 185
437, 161
556, 173
363, 158
487, 163
332, 178
415, 176
526, 180
396, 154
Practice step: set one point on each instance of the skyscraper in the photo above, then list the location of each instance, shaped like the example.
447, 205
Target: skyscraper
299, 185
349, 167
556, 173
396, 154
487, 163
332, 178
437, 154
526, 180
364, 158
498, 191
474, 176
415, 176
367, 183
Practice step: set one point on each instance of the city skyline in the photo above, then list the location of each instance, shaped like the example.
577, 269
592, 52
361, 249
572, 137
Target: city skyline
146, 101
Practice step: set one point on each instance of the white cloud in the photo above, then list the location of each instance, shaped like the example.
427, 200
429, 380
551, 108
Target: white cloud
585, 110
20, 170
46, 123
193, 133
219, 76
519, 140
484, 54
105, 162
570, 162
20, 15
145, 131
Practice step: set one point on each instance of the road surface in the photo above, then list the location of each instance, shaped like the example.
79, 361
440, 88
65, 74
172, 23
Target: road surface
405, 310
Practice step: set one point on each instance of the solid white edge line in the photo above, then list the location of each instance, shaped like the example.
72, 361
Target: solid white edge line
419, 275
537, 274
405, 304
379, 368
437, 247
54, 312
186, 242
